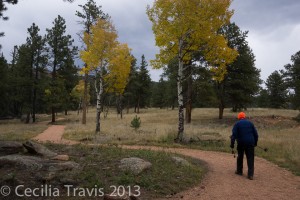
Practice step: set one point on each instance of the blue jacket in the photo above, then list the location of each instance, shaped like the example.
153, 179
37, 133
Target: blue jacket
245, 133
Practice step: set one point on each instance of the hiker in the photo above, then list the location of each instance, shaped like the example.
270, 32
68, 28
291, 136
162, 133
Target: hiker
246, 135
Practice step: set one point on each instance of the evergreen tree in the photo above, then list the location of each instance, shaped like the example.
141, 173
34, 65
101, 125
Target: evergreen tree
144, 84
204, 94
170, 74
21, 82
69, 74
262, 100
292, 75
61, 54
4, 87
38, 59
242, 80
131, 93
277, 90
158, 94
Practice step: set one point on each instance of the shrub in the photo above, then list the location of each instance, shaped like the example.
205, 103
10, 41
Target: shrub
136, 122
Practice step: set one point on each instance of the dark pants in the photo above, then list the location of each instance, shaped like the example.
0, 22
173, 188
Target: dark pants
249, 151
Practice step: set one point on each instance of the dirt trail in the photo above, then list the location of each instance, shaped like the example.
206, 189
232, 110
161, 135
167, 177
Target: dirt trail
54, 134
270, 181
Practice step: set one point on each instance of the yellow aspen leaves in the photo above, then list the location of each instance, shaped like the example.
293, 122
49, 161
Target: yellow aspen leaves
196, 23
104, 52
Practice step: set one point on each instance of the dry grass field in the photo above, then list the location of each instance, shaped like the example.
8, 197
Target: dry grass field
278, 131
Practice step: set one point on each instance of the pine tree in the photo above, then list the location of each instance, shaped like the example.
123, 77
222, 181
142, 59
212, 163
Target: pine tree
130, 93
242, 80
61, 53
21, 82
158, 94
38, 59
292, 75
277, 90
144, 84
263, 99
4, 87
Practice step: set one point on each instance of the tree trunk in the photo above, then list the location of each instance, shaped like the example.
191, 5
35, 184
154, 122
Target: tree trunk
34, 88
188, 107
34, 102
220, 88
138, 105
84, 101
98, 93
221, 111
53, 114
27, 118
180, 95
120, 106
79, 106
66, 112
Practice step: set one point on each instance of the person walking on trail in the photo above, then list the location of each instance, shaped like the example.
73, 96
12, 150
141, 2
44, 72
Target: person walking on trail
246, 135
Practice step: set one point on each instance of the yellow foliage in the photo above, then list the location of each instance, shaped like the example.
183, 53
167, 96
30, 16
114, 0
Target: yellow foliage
196, 24
119, 69
104, 51
99, 45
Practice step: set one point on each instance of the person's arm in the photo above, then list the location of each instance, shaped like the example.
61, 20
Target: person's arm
255, 134
233, 136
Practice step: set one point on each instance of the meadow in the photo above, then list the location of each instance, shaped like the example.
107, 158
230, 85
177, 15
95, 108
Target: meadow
278, 131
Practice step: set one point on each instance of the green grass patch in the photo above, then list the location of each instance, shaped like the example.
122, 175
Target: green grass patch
100, 167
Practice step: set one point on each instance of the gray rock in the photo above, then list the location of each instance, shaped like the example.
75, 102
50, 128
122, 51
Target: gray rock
10, 147
35, 148
180, 161
61, 166
36, 163
19, 161
135, 165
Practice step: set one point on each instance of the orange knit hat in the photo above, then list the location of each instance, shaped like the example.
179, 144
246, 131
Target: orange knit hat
241, 115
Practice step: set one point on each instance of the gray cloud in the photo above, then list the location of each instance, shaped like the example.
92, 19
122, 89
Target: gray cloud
265, 15
273, 25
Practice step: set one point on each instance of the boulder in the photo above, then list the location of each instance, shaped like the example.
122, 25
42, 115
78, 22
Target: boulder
36, 163
134, 164
180, 161
21, 162
38, 149
10, 147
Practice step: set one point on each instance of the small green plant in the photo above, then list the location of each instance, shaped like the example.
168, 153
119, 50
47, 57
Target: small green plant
136, 122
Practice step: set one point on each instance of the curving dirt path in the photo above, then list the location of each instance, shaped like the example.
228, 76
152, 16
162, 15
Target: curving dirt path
270, 181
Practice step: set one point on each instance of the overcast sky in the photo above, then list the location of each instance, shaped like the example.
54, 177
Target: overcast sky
273, 25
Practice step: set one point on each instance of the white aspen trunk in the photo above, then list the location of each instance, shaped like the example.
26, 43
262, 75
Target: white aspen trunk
99, 94
180, 94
